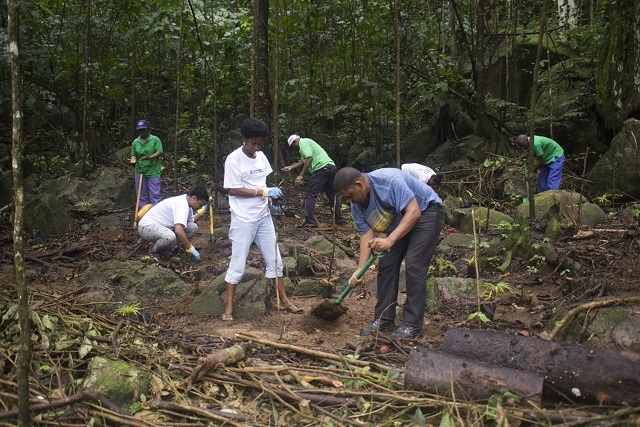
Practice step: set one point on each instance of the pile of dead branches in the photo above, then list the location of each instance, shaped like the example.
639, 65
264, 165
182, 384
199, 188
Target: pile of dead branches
248, 381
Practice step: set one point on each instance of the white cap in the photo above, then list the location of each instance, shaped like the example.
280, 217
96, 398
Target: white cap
292, 138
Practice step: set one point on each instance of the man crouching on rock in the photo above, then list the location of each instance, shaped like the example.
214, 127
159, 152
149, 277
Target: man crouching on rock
173, 220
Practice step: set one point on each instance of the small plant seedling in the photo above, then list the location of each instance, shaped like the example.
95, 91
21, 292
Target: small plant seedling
607, 199
500, 289
480, 316
85, 205
129, 310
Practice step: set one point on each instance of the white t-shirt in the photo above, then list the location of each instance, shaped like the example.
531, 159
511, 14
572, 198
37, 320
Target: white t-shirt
418, 171
169, 212
241, 171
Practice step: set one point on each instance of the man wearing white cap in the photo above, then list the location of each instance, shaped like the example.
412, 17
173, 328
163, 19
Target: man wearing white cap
317, 162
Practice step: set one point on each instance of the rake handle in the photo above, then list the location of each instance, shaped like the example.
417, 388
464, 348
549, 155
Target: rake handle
359, 275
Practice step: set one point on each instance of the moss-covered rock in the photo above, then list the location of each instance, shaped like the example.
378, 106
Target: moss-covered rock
560, 208
321, 245
119, 381
441, 267
251, 297
309, 287
611, 327
460, 240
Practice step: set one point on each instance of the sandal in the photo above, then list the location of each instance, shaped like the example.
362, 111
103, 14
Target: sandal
226, 317
294, 309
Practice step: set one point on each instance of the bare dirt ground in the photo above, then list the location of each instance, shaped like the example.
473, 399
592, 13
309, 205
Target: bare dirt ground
608, 257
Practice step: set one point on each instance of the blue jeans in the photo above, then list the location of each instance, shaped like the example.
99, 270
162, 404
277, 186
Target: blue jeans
550, 175
242, 234
416, 248
322, 180
150, 190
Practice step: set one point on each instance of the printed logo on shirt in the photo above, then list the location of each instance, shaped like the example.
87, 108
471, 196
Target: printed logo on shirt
255, 171
379, 221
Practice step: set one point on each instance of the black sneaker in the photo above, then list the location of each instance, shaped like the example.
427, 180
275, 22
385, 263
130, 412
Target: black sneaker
406, 331
378, 325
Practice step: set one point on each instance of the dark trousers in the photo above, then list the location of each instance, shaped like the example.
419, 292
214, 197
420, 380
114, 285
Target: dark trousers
322, 180
417, 249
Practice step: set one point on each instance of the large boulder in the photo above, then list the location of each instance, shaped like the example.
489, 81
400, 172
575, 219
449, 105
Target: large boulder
254, 296
108, 188
419, 145
113, 188
47, 215
618, 170
572, 208
131, 281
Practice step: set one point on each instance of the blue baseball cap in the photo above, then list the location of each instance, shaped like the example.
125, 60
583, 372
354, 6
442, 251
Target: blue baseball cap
142, 124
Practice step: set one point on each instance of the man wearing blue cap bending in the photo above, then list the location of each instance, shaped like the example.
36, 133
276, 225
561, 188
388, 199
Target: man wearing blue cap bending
146, 151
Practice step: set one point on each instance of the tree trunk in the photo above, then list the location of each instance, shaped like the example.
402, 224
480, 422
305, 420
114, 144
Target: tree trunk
532, 124
396, 28
264, 94
472, 380
571, 372
178, 80
85, 103
275, 128
254, 61
24, 354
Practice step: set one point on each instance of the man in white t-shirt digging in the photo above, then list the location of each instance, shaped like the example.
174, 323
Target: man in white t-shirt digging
172, 221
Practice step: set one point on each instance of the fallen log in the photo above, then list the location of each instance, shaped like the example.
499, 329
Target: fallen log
471, 380
575, 373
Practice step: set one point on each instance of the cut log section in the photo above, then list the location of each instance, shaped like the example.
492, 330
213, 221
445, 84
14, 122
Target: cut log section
471, 380
572, 372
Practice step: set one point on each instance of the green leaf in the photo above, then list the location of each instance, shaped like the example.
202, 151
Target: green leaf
480, 315
418, 418
448, 420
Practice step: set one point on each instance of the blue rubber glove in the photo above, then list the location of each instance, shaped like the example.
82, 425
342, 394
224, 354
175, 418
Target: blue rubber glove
203, 210
273, 192
193, 251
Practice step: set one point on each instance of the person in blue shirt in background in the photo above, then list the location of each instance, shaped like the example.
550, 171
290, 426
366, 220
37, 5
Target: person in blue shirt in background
391, 201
